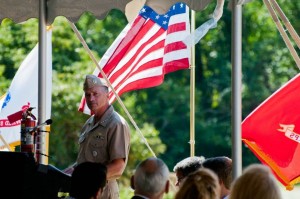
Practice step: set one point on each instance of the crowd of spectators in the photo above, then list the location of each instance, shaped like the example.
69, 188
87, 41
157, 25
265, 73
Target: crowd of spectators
197, 178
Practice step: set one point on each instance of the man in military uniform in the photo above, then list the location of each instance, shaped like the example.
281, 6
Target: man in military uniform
105, 137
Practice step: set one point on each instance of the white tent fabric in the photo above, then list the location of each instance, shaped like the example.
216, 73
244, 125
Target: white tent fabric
21, 10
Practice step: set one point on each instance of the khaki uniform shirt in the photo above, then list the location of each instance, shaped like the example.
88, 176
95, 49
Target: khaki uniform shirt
107, 140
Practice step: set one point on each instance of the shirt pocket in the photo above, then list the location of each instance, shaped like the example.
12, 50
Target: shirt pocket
97, 147
98, 141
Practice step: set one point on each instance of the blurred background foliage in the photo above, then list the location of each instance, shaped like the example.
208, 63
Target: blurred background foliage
162, 113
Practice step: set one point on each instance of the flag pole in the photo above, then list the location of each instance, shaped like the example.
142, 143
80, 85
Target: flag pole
282, 31
192, 91
4, 142
236, 88
286, 22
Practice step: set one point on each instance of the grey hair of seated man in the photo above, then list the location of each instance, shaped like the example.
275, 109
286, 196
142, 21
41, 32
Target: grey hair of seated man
151, 178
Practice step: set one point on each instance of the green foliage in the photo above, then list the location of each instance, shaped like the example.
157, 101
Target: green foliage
139, 150
16, 41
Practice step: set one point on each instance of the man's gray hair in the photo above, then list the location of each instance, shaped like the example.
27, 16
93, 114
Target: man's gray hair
151, 176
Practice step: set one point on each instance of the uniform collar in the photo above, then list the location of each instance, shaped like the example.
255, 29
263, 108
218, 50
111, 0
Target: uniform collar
105, 117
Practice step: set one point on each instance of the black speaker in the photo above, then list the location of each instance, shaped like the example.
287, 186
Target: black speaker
22, 177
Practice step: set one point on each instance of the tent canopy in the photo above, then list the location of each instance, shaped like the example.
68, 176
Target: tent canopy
21, 10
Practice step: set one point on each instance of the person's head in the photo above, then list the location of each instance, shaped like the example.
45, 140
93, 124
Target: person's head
187, 166
96, 93
88, 180
201, 184
222, 166
151, 178
258, 182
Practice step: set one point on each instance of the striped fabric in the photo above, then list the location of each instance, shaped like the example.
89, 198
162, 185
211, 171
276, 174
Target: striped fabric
147, 49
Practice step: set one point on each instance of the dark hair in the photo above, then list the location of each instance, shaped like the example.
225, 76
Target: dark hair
189, 165
87, 179
222, 166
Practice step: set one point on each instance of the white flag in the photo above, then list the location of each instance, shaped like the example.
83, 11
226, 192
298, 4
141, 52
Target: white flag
23, 93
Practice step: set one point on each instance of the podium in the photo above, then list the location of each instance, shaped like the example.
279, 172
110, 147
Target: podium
22, 177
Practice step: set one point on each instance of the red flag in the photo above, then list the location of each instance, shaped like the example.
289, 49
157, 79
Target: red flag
272, 132
146, 50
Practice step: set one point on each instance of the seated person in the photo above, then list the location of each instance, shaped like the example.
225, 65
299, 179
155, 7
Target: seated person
151, 179
201, 184
257, 182
222, 166
88, 180
187, 166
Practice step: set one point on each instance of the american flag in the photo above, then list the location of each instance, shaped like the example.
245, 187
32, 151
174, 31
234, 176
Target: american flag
147, 49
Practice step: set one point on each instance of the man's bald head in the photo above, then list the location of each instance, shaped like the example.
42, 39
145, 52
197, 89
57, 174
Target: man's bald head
151, 177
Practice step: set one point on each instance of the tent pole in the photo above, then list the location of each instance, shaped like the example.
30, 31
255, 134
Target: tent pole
40, 138
192, 91
236, 88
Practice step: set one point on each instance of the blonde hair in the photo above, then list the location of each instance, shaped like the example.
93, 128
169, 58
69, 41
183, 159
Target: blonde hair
257, 182
201, 184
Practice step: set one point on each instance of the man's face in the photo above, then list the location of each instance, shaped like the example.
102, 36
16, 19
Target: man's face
180, 178
96, 98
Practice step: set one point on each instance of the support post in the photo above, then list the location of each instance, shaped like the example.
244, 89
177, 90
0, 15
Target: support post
42, 84
236, 88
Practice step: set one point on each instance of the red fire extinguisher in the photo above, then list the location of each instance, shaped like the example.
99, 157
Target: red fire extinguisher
28, 122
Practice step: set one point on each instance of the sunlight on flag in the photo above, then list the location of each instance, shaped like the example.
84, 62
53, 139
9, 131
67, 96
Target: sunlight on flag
272, 132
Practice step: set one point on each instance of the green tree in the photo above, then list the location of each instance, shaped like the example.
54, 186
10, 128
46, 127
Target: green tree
16, 41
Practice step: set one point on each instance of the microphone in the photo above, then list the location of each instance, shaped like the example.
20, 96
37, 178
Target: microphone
47, 122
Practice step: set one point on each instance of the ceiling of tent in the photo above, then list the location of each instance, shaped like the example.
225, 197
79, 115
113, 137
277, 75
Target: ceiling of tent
21, 10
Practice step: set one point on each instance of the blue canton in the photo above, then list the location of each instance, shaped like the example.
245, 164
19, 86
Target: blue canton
162, 20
